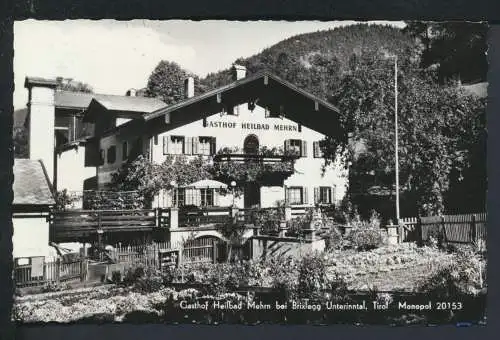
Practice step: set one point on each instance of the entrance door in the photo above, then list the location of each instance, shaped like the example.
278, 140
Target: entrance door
252, 195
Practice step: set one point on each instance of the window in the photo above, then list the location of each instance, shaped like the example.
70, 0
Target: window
190, 197
325, 195
296, 147
111, 154
155, 139
317, 152
124, 151
295, 195
176, 146
204, 146
179, 197
207, 197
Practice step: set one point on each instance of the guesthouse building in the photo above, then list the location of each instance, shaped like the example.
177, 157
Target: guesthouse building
259, 118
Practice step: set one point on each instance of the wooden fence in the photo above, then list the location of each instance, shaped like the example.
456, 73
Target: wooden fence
207, 215
203, 249
37, 272
468, 228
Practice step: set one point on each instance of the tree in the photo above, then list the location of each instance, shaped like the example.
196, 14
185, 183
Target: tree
68, 84
149, 178
435, 124
167, 82
20, 140
458, 49
233, 232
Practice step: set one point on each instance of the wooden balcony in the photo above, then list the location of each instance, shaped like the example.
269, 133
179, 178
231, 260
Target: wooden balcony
266, 159
67, 226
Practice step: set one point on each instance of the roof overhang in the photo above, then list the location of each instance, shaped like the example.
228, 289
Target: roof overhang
29, 82
267, 90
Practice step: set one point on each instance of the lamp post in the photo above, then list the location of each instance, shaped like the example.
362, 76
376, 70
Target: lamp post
233, 186
174, 186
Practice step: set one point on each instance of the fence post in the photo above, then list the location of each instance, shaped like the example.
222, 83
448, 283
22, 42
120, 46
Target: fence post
214, 255
58, 270
420, 240
474, 229
443, 229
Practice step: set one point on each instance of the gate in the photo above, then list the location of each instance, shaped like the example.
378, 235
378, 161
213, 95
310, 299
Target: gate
204, 249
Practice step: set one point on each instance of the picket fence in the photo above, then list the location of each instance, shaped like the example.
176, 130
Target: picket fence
37, 272
466, 228
200, 250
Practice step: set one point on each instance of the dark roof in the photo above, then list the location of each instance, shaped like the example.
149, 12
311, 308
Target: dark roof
81, 100
31, 184
233, 85
132, 104
38, 81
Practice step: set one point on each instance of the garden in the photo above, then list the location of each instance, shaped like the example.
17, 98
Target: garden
356, 269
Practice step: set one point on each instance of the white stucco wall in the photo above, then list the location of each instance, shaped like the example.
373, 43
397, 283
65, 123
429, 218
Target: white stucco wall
31, 237
231, 131
71, 170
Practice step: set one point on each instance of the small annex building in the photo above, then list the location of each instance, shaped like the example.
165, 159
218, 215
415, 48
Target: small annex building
33, 199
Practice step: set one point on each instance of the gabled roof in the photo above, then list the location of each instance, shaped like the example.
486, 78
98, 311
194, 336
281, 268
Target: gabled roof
265, 90
31, 184
132, 104
81, 100
234, 85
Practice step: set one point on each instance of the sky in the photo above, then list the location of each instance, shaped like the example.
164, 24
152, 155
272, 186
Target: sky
114, 56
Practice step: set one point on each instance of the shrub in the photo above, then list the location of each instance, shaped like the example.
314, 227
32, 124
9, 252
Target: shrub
143, 279
365, 238
334, 239
312, 280
116, 276
464, 276
364, 235
282, 272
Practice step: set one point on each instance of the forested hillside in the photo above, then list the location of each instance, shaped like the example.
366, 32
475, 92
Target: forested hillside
317, 61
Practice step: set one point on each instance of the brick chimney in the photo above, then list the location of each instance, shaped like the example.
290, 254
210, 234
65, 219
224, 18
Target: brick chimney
189, 87
239, 72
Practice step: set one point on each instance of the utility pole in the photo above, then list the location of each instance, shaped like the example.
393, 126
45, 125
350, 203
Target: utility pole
396, 133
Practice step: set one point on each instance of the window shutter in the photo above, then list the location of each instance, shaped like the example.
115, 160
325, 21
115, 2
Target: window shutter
213, 145
303, 144
167, 198
189, 146
216, 197
287, 196
305, 196
166, 145
316, 195
196, 141
197, 197
287, 145
315, 149
334, 188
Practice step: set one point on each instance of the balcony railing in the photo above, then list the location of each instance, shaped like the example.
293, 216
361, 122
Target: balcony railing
241, 157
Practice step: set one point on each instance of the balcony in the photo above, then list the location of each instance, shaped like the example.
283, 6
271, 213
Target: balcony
258, 158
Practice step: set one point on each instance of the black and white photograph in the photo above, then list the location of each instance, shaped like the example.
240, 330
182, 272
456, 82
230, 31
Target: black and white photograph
250, 172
